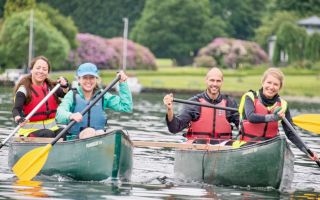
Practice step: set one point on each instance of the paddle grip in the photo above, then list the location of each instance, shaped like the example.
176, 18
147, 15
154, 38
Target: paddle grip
311, 154
86, 109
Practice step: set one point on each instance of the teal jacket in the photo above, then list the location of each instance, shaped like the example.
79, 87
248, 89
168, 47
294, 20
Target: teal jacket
120, 103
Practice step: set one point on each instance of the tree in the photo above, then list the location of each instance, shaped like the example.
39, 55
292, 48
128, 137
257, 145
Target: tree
271, 24
62, 23
13, 6
177, 28
303, 8
241, 17
2, 3
14, 42
291, 41
100, 17
312, 49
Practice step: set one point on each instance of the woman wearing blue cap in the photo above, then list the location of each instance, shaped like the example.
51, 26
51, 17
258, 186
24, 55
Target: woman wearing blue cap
77, 99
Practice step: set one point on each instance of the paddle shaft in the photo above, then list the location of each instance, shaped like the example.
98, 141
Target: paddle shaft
86, 109
204, 104
308, 151
35, 109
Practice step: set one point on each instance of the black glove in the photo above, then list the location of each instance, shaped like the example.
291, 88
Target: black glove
22, 119
64, 86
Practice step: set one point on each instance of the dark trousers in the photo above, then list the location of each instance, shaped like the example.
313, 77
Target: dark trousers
46, 133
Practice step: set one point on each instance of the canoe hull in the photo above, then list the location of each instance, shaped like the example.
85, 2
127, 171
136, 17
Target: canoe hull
96, 158
269, 163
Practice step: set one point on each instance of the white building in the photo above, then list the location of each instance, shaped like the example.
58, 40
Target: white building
312, 24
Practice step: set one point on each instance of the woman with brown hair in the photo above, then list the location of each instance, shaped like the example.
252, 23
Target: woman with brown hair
30, 90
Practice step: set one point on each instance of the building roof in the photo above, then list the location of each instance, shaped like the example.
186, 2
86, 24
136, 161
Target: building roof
314, 20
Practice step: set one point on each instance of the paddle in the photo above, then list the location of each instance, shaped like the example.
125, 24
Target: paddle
307, 150
29, 165
309, 122
204, 104
30, 114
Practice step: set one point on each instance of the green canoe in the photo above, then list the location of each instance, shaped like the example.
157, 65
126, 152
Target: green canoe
96, 158
264, 164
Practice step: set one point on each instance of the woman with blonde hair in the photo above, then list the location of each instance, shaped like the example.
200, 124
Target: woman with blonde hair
260, 112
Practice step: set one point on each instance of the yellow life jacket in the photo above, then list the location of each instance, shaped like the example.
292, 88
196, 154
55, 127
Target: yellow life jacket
37, 125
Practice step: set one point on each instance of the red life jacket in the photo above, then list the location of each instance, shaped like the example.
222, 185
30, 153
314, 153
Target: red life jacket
258, 131
212, 123
47, 110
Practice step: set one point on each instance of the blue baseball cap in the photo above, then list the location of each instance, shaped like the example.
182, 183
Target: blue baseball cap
87, 69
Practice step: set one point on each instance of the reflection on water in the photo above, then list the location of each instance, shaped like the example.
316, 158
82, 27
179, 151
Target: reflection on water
152, 176
30, 188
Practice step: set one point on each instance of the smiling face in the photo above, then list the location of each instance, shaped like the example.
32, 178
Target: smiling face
39, 72
271, 86
88, 83
214, 80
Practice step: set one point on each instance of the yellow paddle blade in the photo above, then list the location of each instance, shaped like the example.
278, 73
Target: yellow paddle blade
29, 165
309, 122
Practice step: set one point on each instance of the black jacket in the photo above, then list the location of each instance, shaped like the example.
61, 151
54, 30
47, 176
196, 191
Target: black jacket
192, 112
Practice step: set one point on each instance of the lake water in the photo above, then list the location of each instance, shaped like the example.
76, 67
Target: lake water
153, 176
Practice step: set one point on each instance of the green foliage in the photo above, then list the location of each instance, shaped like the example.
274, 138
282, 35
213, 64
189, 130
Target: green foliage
290, 40
14, 40
2, 3
312, 49
241, 17
100, 17
177, 28
270, 25
64, 24
13, 6
302, 7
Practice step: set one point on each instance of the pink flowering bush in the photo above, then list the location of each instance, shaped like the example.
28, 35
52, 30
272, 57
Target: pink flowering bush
230, 53
107, 53
138, 56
